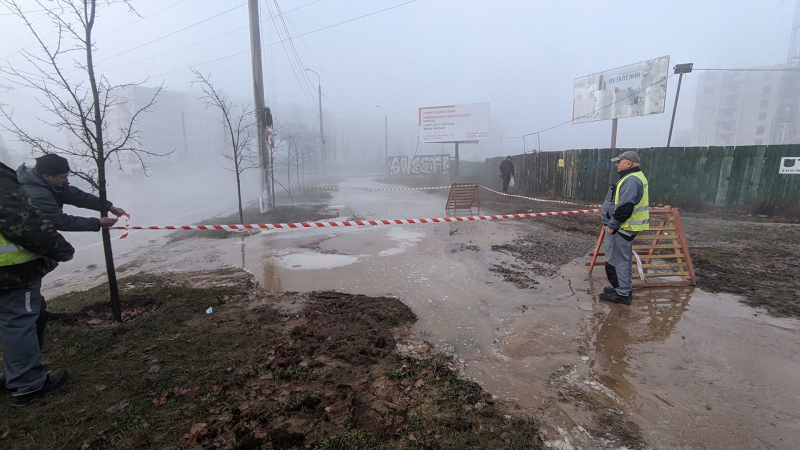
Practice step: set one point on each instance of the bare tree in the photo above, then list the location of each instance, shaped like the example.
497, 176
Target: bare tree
239, 129
279, 144
80, 105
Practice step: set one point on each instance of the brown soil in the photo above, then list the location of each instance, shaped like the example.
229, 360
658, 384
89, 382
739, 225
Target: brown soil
265, 370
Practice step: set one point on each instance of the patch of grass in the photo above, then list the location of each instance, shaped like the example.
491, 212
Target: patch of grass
352, 439
295, 372
252, 214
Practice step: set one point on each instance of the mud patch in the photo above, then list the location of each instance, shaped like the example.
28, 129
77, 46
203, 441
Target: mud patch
543, 255
515, 274
465, 247
606, 421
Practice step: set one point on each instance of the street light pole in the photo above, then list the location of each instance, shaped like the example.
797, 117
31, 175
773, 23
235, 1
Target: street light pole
679, 69
385, 135
321, 137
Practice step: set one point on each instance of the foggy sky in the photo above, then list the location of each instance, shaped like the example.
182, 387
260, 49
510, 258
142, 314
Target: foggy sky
521, 56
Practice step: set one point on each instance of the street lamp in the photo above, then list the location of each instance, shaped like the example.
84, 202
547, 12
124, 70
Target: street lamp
321, 137
385, 134
679, 69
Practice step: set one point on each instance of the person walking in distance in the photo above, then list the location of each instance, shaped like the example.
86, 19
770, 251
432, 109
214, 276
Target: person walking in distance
30, 247
625, 213
506, 172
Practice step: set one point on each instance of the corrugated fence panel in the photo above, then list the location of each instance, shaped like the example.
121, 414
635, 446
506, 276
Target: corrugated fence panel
745, 176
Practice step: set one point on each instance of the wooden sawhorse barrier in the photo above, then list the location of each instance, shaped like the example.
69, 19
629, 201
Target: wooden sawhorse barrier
662, 249
463, 197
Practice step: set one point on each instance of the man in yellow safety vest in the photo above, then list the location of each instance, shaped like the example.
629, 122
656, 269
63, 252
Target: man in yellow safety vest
30, 247
626, 212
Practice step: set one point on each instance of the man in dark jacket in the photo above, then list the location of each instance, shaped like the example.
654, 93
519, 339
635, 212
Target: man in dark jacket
506, 172
48, 186
29, 249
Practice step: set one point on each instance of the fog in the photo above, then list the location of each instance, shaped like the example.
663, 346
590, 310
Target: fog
521, 57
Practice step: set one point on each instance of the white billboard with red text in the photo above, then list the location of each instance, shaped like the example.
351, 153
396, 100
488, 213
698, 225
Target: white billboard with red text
454, 123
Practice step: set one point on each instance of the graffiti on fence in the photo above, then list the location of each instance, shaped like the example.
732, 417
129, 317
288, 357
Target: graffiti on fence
420, 164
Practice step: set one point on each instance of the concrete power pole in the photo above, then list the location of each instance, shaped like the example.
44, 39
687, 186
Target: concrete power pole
265, 194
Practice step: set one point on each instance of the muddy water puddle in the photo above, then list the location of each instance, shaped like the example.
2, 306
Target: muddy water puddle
694, 370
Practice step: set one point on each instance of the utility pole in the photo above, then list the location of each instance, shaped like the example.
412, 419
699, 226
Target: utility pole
385, 136
679, 69
321, 135
265, 196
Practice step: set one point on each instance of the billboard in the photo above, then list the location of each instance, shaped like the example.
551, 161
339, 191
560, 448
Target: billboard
635, 90
454, 123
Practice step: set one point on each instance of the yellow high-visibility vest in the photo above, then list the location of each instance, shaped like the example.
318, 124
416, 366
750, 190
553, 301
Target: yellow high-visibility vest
640, 219
12, 254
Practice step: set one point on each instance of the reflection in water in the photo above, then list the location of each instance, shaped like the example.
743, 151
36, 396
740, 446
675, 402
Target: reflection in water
243, 254
272, 279
618, 328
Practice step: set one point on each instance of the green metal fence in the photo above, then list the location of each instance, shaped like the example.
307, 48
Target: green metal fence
746, 176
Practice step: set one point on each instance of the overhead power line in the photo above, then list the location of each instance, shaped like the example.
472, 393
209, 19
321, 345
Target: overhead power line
299, 35
201, 41
174, 32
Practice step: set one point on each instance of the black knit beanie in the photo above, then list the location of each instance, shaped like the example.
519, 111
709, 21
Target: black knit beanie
52, 164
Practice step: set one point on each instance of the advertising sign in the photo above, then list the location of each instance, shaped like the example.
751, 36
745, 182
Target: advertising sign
454, 123
634, 90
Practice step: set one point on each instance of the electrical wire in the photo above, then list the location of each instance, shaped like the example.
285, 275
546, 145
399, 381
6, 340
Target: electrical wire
275, 43
203, 41
173, 33
292, 62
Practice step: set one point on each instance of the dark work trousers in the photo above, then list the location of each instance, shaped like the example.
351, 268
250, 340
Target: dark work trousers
23, 367
506, 180
619, 253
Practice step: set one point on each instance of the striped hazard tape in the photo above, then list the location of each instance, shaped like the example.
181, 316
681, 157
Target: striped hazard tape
531, 198
354, 188
352, 223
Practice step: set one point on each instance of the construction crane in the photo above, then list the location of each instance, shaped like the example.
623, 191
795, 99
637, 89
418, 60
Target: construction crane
787, 117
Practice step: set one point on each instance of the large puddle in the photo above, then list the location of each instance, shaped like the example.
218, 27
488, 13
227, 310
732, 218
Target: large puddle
696, 370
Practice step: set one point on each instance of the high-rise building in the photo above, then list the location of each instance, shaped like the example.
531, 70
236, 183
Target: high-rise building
736, 107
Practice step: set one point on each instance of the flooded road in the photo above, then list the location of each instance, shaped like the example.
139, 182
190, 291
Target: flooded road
693, 369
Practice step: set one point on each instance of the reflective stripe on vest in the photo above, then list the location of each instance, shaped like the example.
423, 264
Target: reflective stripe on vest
640, 218
12, 254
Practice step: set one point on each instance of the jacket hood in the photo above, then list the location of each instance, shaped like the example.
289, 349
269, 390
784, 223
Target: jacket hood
29, 176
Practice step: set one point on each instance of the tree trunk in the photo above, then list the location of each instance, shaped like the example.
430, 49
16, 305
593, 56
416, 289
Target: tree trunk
289, 168
116, 308
239, 193
272, 177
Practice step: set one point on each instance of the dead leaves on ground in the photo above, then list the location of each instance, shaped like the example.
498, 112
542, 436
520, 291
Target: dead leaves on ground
117, 407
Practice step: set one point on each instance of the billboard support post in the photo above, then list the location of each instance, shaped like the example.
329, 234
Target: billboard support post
614, 133
455, 172
679, 69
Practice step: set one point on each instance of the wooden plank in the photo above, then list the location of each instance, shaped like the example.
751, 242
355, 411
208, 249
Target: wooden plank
659, 284
669, 256
681, 274
647, 247
675, 264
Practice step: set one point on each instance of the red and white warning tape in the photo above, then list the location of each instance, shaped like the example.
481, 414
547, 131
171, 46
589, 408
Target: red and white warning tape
531, 198
353, 223
353, 188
